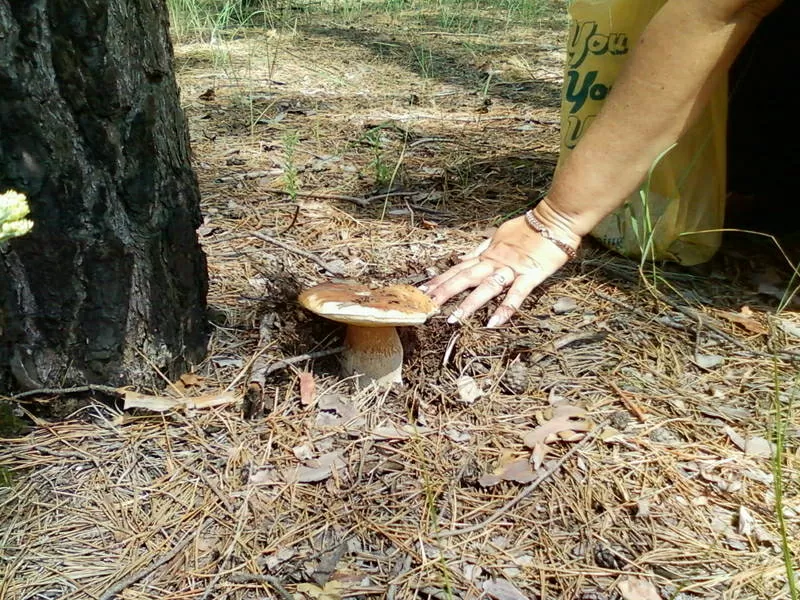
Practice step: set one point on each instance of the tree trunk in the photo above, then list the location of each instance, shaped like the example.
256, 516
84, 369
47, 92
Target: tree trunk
112, 280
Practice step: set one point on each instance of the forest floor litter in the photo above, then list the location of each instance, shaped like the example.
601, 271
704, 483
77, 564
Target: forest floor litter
614, 441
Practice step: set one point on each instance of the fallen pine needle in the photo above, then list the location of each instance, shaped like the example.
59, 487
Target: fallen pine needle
525, 492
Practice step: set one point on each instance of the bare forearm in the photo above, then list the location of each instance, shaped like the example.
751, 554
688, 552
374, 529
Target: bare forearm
670, 75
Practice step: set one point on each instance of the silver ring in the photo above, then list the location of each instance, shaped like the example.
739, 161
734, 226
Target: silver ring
499, 278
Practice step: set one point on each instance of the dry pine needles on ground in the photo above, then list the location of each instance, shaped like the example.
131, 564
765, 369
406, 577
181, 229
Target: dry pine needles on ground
609, 440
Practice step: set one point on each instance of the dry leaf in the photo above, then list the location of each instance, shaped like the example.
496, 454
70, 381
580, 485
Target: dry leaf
745, 319
336, 403
708, 361
564, 305
789, 328
519, 470
468, 389
734, 437
307, 388
746, 522
457, 436
304, 452
267, 476
502, 589
190, 379
634, 588
538, 455
609, 433
392, 432
566, 421
758, 446
316, 470
331, 591
164, 403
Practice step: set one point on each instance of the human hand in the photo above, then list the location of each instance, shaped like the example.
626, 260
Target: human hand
517, 257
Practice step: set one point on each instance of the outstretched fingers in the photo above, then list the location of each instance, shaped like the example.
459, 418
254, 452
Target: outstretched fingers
519, 290
456, 280
490, 287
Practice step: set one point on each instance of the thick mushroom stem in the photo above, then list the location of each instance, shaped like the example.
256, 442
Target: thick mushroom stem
374, 353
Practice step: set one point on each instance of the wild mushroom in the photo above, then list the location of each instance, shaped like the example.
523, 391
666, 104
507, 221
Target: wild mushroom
372, 347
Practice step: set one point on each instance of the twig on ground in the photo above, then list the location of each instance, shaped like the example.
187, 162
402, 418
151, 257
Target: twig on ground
431, 140
259, 578
629, 403
282, 364
294, 220
564, 341
322, 196
362, 202
245, 176
128, 581
211, 485
294, 250
525, 492
254, 397
106, 389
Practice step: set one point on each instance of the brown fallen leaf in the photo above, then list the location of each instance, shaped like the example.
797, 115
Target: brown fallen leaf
190, 379
315, 470
133, 399
745, 318
634, 588
332, 590
519, 470
566, 421
307, 388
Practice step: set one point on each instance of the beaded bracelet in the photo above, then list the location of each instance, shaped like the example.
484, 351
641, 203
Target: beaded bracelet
540, 228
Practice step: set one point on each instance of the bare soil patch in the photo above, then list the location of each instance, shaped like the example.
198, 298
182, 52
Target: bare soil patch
385, 152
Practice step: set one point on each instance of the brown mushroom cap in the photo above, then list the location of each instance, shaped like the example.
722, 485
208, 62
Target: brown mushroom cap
358, 304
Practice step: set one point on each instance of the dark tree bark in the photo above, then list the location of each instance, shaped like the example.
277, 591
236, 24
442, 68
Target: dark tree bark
112, 279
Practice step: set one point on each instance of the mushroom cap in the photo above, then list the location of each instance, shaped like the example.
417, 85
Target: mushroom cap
358, 304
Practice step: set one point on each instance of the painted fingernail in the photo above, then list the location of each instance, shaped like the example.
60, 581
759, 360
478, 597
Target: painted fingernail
493, 322
455, 316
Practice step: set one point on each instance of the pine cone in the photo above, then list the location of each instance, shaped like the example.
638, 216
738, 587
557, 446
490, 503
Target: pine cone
516, 378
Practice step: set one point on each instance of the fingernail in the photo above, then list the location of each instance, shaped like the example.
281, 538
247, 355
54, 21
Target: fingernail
455, 316
493, 322
423, 288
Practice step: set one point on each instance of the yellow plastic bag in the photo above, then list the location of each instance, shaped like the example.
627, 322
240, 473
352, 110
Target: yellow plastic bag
685, 192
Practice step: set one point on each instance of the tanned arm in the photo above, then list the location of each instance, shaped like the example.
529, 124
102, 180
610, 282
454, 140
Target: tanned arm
684, 51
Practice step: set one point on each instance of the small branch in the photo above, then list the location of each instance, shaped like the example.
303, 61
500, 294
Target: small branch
211, 485
282, 364
362, 202
628, 401
431, 140
71, 390
123, 584
385, 195
248, 175
354, 199
294, 250
525, 491
294, 220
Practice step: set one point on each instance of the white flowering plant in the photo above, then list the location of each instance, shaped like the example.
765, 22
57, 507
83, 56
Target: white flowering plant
13, 210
